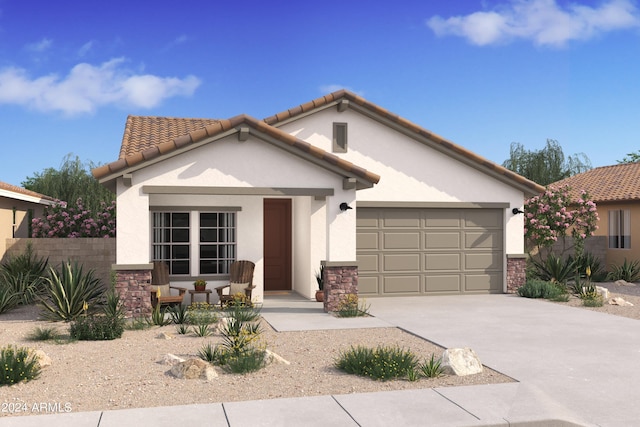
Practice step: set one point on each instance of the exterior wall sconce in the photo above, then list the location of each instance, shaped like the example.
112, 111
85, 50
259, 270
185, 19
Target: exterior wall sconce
344, 206
516, 211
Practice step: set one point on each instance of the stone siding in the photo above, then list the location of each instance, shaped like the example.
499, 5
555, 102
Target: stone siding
134, 288
339, 280
516, 273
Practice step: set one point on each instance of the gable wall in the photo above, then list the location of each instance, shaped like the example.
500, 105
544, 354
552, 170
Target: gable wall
410, 171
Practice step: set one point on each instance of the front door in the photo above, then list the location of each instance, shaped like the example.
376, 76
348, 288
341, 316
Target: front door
277, 244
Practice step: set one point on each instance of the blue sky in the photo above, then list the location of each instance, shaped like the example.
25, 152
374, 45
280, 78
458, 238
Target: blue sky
482, 73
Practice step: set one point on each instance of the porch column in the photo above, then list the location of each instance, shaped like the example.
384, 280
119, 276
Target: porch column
133, 284
516, 271
340, 279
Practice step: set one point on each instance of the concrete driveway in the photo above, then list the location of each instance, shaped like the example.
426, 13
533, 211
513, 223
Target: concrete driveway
571, 364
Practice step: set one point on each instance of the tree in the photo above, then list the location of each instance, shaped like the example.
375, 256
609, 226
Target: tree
547, 165
71, 182
633, 157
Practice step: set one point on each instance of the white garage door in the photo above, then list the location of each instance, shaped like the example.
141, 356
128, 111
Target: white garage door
429, 251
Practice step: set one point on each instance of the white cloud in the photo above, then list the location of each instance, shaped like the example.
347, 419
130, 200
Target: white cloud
88, 87
40, 46
85, 48
542, 21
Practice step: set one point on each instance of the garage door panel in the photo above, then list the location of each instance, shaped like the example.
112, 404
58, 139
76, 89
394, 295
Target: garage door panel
483, 282
486, 240
367, 241
401, 241
442, 262
369, 285
435, 240
368, 263
401, 284
430, 251
405, 262
443, 284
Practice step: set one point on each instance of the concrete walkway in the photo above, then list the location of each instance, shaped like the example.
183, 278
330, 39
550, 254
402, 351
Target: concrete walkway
573, 367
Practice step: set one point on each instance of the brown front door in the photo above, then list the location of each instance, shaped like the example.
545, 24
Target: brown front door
277, 244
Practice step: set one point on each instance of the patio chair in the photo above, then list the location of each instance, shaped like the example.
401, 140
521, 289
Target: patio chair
160, 281
240, 281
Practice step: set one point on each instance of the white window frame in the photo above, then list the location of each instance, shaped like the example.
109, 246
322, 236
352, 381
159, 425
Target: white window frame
619, 229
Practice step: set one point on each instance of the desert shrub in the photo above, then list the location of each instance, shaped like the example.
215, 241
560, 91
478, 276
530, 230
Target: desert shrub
211, 353
43, 334
250, 360
381, 363
628, 271
18, 365
351, 306
138, 323
8, 299
432, 367
158, 317
553, 268
243, 313
202, 330
23, 273
541, 289
182, 329
590, 261
593, 300
96, 328
113, 306
201, 313
179, 314
70, 292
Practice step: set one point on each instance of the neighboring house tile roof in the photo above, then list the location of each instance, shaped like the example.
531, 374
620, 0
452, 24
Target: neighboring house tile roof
607, 183
146, 138
4, 188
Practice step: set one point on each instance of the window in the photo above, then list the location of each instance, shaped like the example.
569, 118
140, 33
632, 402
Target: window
339, 137
210, 253
619, 229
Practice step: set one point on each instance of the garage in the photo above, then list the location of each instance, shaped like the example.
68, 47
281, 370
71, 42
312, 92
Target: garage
429, 251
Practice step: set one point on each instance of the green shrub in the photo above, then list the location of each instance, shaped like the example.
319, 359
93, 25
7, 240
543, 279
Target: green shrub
250, 360
541, 289
432, 368
243, 313
553, 268
44, 334
351, 306
8, 299
158, 317
381, 363
24, 274
18, 365
201, 313
113, 306
212, 354
138, 323
182, 329
590, 261
202, 330
96, 328
70, 292
628, 271
593, 301
179, 314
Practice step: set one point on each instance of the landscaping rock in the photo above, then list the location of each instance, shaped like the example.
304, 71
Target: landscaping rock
170, 359
192, 369
461, 362
42, 358
271, 357
623, 283
604, 292
620, 301
164, 336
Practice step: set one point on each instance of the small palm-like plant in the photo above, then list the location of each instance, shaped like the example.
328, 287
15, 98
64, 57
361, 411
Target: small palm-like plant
70, 292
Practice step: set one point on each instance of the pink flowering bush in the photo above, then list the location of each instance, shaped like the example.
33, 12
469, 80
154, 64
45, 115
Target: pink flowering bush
552, 216
61, 220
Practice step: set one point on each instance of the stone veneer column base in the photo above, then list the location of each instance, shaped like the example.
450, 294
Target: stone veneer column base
340, 279
133, 284
516, 272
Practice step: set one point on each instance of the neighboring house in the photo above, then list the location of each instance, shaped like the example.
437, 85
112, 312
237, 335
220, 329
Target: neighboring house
616, 192
337, 179
18, 206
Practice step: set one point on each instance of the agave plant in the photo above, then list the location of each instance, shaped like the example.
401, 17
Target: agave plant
554, 268
70, 292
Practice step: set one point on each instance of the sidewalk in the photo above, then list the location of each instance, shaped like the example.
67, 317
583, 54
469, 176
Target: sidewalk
573, 367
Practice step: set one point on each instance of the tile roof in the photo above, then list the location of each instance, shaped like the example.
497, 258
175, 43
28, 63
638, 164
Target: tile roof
148, 150
607, 183
23, 191
148, 137
443, 143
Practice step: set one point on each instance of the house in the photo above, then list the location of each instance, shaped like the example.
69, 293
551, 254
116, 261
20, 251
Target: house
386, 204
18, 206
616, 192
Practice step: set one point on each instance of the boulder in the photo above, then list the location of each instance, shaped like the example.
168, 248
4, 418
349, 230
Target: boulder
164, 336
460, 362
271, 357
623, 283
604, 292
170, 359
41, 357
192, 369
620, 301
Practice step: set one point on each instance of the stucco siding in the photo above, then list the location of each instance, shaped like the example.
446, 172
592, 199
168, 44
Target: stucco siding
617, 256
